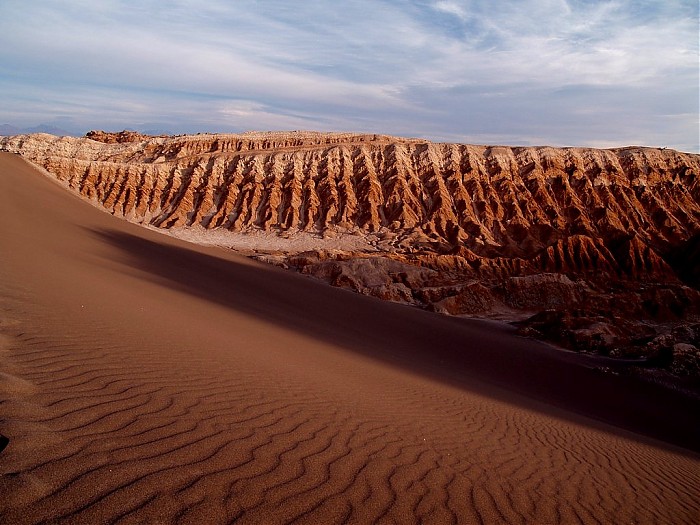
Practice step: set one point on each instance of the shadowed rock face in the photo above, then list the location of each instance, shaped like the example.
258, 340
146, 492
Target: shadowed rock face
593, 234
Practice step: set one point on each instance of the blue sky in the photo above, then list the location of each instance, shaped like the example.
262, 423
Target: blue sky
582, 73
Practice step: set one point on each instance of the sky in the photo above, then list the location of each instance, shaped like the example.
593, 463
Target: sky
529, 72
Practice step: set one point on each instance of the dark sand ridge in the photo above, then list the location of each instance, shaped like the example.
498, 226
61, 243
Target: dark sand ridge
158, 381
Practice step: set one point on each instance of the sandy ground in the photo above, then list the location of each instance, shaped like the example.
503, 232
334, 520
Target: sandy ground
147, 380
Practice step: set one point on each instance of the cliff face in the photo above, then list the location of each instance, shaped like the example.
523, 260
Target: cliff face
494, 201
447, 226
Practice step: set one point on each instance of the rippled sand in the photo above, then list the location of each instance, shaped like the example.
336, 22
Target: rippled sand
147, 380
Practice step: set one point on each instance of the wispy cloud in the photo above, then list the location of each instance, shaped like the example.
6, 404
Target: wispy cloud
554, 71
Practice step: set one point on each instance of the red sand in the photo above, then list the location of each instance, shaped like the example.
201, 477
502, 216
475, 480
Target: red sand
148, 380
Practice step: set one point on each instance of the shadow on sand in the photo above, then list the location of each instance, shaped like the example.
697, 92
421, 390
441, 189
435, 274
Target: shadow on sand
462, 352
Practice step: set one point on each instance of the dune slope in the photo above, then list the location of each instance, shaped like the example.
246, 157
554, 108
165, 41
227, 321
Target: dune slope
144, 379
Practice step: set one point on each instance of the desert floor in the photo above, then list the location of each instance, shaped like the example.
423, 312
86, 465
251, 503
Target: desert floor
147, 380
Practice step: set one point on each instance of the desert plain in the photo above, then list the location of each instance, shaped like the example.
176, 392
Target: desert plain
145, 379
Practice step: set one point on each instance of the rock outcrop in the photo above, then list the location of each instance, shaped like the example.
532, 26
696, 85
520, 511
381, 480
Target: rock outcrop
495, 201
460, 229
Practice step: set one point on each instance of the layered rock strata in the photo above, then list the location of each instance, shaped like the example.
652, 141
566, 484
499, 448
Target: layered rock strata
592, 236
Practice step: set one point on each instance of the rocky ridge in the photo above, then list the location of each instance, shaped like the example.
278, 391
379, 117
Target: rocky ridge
594, 249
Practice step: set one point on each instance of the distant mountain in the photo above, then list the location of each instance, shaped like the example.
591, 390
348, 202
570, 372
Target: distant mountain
8, 129
53, 130
155, 132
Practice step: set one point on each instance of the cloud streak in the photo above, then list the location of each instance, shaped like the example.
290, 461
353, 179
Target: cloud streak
528, 72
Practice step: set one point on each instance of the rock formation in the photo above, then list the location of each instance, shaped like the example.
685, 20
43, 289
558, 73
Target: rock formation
590, 235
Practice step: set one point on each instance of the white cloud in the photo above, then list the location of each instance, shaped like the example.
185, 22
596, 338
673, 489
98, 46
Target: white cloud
452, 8
419, 68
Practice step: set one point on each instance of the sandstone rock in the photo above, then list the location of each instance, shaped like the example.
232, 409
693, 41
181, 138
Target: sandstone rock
640, 262
578, 254
120, 137
474, 298
686, 360
542, 291
587, 331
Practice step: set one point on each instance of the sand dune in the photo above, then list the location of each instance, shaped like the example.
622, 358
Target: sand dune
148, 380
